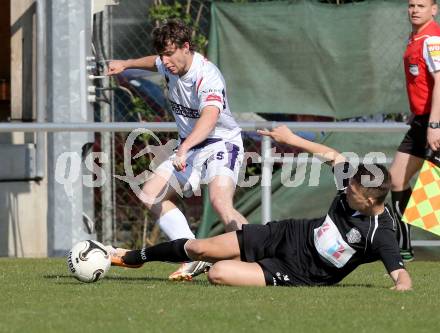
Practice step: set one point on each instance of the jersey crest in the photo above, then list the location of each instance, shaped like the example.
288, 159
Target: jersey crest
354, 236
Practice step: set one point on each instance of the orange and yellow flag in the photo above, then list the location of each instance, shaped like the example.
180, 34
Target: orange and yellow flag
423, 209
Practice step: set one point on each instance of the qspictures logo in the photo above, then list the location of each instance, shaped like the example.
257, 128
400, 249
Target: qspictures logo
296, 169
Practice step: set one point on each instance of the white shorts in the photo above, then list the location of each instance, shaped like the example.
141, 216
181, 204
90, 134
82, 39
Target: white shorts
204, 162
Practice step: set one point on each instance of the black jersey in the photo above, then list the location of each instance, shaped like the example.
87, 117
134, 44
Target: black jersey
321, 251
346, 239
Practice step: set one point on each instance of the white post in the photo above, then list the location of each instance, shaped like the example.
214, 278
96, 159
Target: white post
40, 143
107, 142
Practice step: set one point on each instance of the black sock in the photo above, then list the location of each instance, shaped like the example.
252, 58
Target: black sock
173, 251
400, 200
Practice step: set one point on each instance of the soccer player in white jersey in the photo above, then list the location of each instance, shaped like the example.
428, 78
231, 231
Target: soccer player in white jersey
210, 149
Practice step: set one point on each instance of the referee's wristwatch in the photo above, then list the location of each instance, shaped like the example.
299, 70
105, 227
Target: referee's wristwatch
434, 124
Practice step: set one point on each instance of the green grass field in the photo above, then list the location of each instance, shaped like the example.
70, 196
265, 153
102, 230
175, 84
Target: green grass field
39, 295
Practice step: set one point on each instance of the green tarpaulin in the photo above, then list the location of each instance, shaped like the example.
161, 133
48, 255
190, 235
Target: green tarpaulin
307, 57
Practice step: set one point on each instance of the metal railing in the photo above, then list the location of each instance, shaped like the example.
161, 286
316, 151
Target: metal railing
390, 127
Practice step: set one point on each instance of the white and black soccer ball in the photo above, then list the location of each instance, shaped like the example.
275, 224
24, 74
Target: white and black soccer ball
88, 261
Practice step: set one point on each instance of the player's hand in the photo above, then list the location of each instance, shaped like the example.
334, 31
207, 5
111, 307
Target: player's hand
116, 67
281, 134
433, 138
179, 161
401, 287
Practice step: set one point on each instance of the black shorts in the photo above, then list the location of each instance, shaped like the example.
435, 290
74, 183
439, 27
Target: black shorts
280, 248
414, 142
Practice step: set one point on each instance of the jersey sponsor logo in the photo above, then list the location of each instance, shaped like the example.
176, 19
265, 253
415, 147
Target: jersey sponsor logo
324, 228
353, 236
414, 69
435, 55
184, 111
218, 95
212, 91
213, 97
330, 244
434, 52
433, 48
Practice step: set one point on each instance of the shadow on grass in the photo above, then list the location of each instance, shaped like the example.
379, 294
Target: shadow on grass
67, 279
360, 285
357, 285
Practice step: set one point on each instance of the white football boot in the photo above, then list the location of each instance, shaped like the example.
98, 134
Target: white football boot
189, 270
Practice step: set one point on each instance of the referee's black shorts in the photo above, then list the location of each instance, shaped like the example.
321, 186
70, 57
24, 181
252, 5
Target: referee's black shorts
276, 247
414, 142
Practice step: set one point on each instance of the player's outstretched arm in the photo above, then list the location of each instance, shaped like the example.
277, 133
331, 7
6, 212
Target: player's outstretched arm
118, 66
282, 134
402, 280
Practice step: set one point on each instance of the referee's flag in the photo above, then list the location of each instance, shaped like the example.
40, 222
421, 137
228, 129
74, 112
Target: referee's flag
423, 209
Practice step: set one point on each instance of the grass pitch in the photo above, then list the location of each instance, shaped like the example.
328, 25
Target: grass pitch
39, 295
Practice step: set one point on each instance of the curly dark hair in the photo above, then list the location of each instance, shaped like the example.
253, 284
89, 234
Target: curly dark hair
171, 32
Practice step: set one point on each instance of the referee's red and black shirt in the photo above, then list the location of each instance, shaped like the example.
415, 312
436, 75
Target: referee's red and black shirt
422, 57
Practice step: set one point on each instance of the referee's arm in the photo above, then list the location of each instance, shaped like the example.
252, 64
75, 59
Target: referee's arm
282, 134
433, 134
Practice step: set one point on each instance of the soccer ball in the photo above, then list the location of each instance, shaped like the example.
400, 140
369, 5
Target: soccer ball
88, 261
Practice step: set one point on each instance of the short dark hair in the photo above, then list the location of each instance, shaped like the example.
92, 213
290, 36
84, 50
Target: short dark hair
171, 32
373, 171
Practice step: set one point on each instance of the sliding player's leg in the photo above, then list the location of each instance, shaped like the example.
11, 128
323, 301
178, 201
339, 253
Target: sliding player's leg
213, 249
182, 250
237, 273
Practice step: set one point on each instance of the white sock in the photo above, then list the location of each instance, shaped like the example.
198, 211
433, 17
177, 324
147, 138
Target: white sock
175, 225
